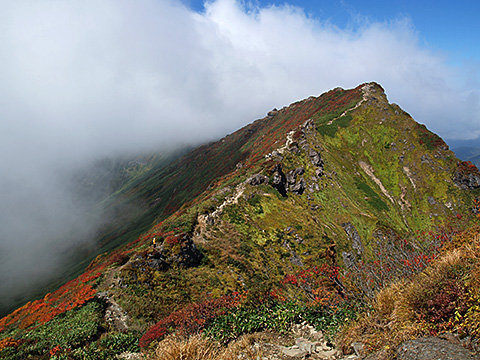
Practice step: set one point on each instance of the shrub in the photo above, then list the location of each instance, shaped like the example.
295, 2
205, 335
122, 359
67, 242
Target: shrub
191, 319
444, 296
330, 319
198, 347
60, 335
120, 342
195, 348
271, 315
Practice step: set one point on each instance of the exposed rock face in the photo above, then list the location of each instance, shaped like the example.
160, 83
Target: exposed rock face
308, 126
352, 234
115, 317
349, 260
315, 158
158, 261
272, 113
161, 259
258, 179
298, 187
293, 185
189, 255
309, 344
279, 180
467, 176
130, 356
432, 348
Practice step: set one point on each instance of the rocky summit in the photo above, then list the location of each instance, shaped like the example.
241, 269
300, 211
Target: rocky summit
333, 228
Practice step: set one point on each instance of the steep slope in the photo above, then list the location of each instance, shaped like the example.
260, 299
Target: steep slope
96, 188
345, 186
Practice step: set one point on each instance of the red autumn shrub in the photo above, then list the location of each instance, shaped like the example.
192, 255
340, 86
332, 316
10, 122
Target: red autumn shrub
191, 319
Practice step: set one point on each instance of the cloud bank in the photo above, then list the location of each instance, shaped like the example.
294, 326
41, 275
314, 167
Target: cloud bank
85, 79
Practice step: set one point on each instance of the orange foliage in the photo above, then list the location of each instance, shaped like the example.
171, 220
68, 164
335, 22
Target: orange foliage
9, 342
71, 295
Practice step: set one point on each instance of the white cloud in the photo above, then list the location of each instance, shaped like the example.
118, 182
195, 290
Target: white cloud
84, 78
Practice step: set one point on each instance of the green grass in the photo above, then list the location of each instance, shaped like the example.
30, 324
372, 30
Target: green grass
372, 197
71, 330
278, 316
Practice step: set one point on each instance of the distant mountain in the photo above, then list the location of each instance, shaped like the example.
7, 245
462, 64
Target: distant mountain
324, 202
467, 150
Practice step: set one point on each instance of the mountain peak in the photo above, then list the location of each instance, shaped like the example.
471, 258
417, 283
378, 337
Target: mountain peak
302, 203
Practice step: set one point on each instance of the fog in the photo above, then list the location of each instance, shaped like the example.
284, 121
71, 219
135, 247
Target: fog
81, 80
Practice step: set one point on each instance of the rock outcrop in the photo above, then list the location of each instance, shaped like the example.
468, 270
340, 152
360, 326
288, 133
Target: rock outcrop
432, 348
467, 176
279, 180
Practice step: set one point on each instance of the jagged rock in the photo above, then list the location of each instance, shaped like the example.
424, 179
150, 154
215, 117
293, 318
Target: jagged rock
258, 179
349, 260
303, 144
425, 159
432, 348
290, 177
189, 255
279, 180
327, 354
294, 352
299, 187
307, 331
157, 261
308, 126
299, 171
319, 172
130, 356
467, 176
305, 345
115, 317
352, 234
293, 185
272, 113
209, 219
315, 158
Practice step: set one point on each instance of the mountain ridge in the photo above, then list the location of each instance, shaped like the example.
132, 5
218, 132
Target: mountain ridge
331, 182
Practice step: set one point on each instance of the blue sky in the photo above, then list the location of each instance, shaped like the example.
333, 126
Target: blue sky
450, 27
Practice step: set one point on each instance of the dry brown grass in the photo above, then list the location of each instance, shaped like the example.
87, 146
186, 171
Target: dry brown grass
398, 312
201, 348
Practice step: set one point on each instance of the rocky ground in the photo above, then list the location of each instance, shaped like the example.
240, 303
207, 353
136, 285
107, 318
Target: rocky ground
304, 342
311, 344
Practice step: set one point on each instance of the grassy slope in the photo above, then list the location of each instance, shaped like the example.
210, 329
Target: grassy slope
445, 297
263, 236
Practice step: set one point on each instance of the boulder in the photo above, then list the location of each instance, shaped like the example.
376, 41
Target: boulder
299, 187
157, 261
279, 180
258, 179
189, 255
467, 176
354, 237
272, 113
432, 348
315, 158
